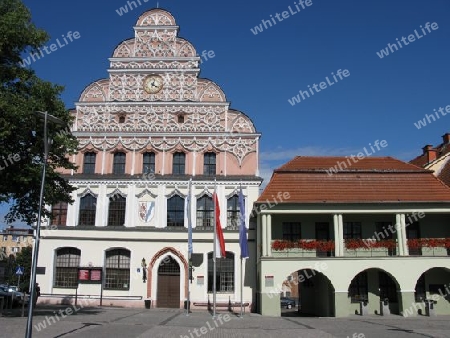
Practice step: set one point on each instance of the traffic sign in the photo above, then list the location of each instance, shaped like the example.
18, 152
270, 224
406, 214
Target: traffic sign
19, 270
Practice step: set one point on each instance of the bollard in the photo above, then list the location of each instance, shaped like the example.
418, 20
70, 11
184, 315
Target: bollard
384, 307
23, 305
429, 307
363, 308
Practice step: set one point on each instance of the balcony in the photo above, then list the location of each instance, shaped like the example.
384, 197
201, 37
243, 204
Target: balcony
370, 248
302, 248
430, 247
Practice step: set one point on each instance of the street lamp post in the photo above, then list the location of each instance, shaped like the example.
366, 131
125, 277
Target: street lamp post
47, 117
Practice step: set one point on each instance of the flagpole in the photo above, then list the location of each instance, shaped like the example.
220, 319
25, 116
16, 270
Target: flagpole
189, 219
214, 253
242, 286
243, 243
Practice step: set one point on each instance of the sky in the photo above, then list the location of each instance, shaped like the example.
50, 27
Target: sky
377, 98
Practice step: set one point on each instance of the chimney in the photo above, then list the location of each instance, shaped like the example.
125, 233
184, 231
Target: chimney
430, 152
446, 138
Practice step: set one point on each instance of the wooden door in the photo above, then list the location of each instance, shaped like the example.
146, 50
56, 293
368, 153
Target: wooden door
168, 294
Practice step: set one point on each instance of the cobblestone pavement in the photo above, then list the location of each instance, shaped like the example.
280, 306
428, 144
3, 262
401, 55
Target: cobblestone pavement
54, 321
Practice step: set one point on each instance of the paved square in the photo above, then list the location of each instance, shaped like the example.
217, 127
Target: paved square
155, 323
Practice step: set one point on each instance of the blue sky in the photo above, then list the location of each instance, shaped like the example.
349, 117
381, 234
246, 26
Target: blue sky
380, 100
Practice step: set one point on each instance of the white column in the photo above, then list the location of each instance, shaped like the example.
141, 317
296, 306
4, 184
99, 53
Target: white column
337, 249
103, 161
133, 162
131, 207
73, 210
398, 227
163, 169
269, 235
264, 235
258, 235
101, 210
404, 240
194, 162
341, 234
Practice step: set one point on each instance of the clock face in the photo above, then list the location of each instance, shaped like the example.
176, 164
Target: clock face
153, 84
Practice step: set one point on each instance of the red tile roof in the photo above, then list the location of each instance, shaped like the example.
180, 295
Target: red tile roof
441, 150
369, 180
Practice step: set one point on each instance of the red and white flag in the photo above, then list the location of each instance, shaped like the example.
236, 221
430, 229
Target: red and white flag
219, 242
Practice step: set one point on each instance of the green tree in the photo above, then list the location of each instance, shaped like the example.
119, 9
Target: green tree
22, 259
21, 134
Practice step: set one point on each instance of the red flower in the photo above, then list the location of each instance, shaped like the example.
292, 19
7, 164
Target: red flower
304, 244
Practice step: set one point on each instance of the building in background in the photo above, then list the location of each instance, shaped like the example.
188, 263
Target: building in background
143, 133
12, 240
352, 234
436, 159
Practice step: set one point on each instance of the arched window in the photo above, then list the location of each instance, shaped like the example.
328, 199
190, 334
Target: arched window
117, 269
89, 163
205, 212
224, 273
66, 270
116, 215
209, 164
59, 213
87, 210
178, 165
233, 213
122, 119
175, 211
119, 163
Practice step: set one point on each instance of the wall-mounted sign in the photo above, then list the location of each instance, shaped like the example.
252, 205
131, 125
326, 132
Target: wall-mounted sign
90, 275
268, 281
200, 280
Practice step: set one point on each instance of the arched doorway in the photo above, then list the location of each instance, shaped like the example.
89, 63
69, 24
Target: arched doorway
315, 293
372, 286
432, 285
168, 294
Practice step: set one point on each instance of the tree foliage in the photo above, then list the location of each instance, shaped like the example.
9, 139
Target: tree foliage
22, 259
21, 133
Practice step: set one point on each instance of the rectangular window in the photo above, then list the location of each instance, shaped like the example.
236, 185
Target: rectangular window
119, 163
384, 233
352, 230
148, 163
233, 213
117, 274
16, 238
116, 215
224, 273
413, 232
178, 166
291, 231
209, 164
89, 163
67, 263
175, 211
59, 213
88, 206
5, 238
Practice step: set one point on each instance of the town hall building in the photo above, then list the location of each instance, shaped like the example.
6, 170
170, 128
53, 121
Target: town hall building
144, 133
